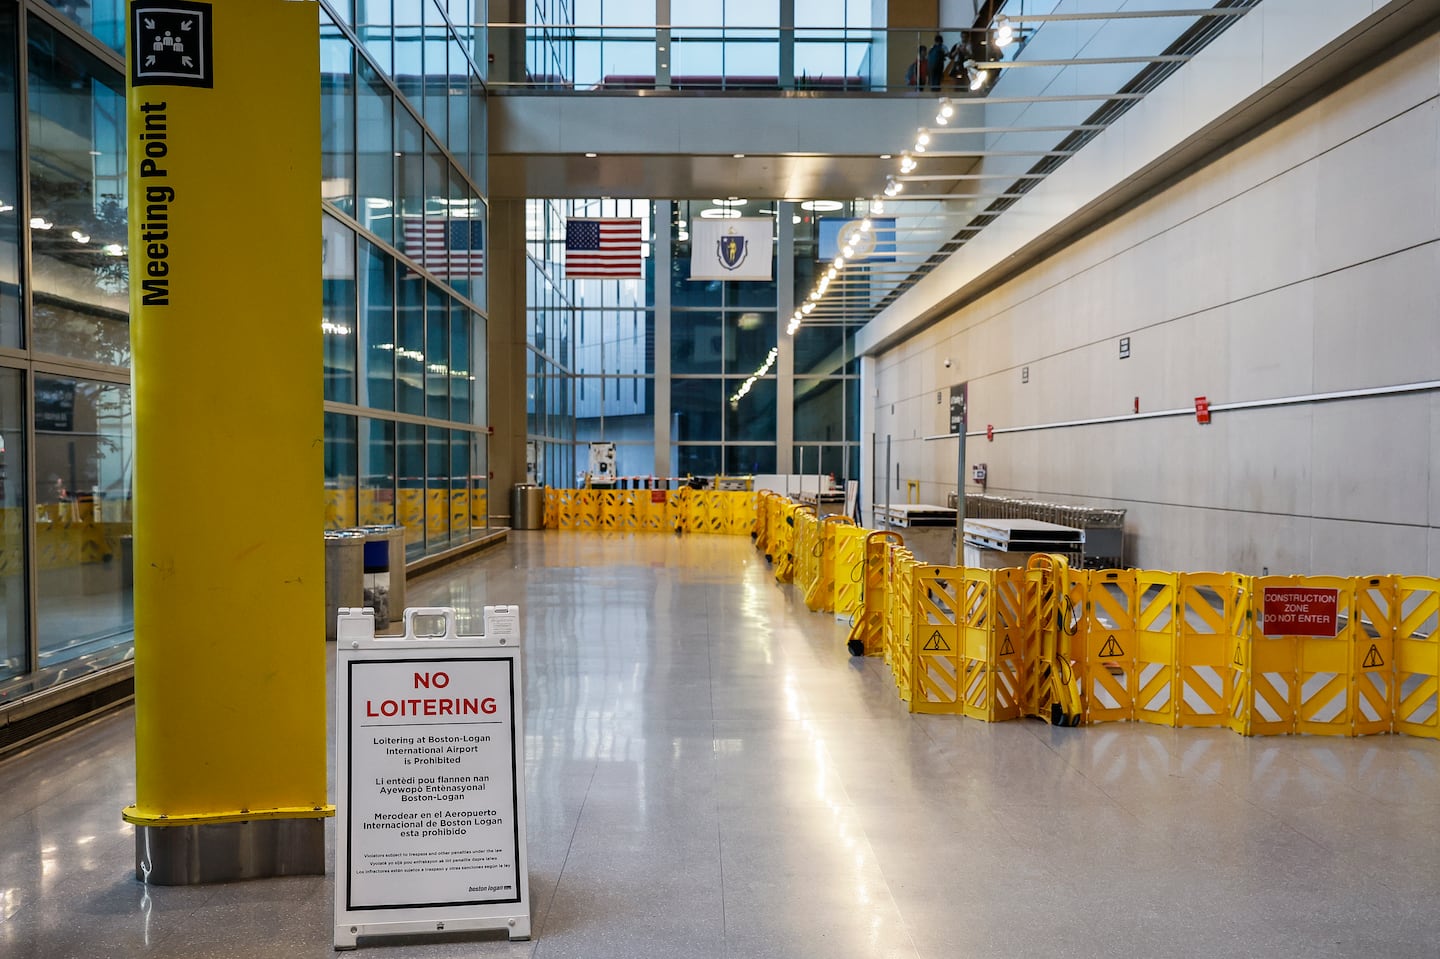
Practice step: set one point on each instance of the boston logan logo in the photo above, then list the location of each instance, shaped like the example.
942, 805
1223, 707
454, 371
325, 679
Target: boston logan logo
170, 44
732, 250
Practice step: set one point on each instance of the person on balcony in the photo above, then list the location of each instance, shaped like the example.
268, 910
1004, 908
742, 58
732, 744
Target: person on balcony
935, 62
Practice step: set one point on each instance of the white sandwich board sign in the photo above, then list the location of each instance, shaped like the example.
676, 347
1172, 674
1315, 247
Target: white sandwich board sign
430, 777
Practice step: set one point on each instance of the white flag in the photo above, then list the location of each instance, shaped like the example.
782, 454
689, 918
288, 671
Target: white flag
738, 249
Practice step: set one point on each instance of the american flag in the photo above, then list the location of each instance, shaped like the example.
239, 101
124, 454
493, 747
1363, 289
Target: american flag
602, 249
454, 250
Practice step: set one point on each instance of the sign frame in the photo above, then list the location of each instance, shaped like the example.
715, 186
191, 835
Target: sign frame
431, 646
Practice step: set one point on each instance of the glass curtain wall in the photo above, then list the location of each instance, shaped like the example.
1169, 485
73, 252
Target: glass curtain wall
590, 350
615, 44
404, 222
405, 227
66, 434
591, 370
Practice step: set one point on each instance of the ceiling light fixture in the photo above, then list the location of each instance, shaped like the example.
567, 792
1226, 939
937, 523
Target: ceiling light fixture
1004, 32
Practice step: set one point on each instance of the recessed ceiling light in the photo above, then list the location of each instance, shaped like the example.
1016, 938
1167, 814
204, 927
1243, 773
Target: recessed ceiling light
591, 155
884, 156
732, 201
822, 206
738, 156
725, 214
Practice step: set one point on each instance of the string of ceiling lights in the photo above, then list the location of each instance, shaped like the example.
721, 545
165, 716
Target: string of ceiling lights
1002, 35
1003, 32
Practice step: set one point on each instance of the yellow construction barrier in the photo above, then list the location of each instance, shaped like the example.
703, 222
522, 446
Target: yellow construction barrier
849, 570
867, 632
936, 601
900, 615
807, 550
820, 594
1272, 655
1107, 672
1417, 656
990, 661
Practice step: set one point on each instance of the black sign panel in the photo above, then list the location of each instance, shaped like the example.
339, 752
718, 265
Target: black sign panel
958, 397
171, 44
54, 405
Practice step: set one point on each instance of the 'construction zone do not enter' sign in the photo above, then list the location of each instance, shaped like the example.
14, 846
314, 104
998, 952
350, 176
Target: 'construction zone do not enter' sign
1300, 611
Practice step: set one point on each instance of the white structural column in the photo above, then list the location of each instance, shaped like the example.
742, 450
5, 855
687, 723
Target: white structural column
785, 346
662, 250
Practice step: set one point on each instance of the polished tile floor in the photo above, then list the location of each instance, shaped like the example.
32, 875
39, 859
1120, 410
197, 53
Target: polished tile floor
710, 775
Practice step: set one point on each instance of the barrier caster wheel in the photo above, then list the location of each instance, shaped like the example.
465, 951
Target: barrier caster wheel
856, 647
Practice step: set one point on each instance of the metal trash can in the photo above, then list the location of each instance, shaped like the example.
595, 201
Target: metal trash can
394, 538
344, 574
527, 506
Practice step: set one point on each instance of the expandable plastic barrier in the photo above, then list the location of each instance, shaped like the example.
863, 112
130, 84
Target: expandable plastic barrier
820, 595
806, 550
867, 632
849, 572
937, 597
645, 510
1417, 656
1088, 646
992, 667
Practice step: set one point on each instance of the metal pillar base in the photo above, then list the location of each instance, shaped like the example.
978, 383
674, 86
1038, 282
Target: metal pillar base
226, 852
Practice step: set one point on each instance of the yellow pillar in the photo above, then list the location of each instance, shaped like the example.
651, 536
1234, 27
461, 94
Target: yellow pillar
225, 270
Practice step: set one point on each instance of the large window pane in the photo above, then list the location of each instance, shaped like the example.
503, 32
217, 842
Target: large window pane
697, 343
78, 202
410, 467
437, 354
14, 652
460, 510
105, 19
749, 338
11, 327
749, 460
825, 350
820, 409
339, 323
479, 482
751, 416
696, 406
83, 456
375, 154
373, 21
460, 368
341, 470
377, 473
410, 343
699, 460
437, 489
377, 318
337, 117
437, 71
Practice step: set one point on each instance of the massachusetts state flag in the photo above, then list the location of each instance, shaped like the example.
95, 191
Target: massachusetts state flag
602, 249
454, 250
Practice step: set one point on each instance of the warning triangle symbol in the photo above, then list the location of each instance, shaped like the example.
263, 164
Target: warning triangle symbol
1111, 648
1372, 658
936, 643
1239, 655
1007, 649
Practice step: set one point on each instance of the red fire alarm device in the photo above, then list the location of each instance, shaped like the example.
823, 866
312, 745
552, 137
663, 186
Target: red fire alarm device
990, 432
1202, 410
